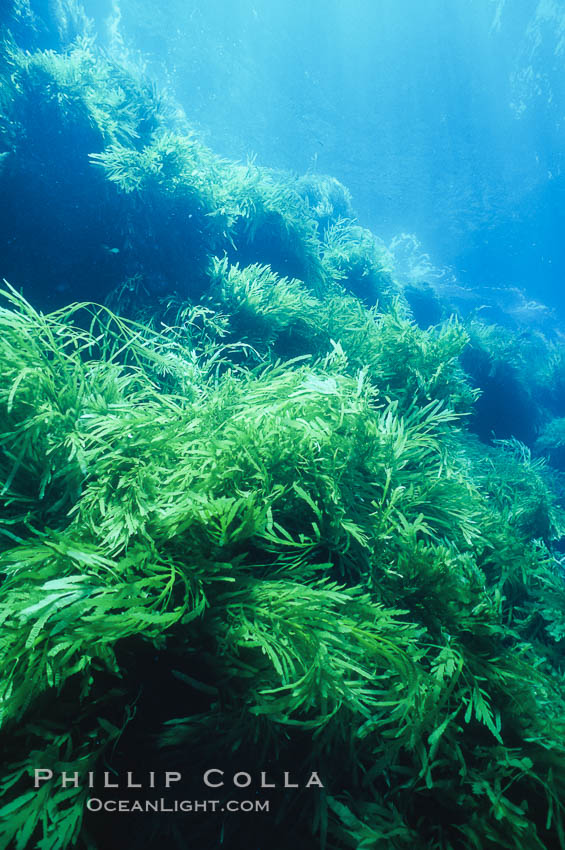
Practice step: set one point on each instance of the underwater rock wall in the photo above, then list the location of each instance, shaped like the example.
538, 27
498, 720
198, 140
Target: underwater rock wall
243, 519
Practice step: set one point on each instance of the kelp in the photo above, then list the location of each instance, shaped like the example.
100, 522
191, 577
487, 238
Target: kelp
329, 200
242, 519
133, 158
520, 372
319, 567
261, 305
118, 104
550, 442
352, 255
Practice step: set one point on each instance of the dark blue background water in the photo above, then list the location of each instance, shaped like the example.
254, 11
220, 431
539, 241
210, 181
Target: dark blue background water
445, 118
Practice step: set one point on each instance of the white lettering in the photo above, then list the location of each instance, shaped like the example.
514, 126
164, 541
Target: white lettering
131, 783
264, 783
207, 780
245, 782
42, 775
72, 778
107, 783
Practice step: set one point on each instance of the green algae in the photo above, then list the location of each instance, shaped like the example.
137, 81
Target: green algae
265, 479
330, 556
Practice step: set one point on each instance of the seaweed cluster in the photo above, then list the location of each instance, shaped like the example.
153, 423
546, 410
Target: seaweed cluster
243, 521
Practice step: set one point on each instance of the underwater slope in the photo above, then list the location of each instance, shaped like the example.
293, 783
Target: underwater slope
242, 519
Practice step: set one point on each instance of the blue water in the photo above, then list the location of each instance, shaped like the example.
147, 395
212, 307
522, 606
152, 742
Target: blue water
445, 118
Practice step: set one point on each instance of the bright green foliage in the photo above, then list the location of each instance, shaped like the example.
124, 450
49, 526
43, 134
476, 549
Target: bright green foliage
179, 165
116, 102
529, 367
351, 255
242, 208
406, 362
529, 354
328, 199
247, 523
308, 556
107, 120
524, 490
523, 494
252, 310
53, 383
268, 220
261, 305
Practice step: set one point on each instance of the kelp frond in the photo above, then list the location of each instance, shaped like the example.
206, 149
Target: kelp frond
308, 551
